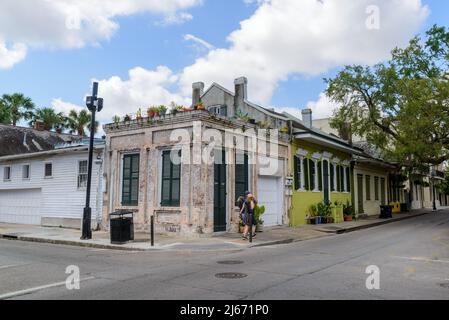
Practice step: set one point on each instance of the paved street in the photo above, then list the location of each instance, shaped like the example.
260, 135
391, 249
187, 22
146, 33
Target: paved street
412, 255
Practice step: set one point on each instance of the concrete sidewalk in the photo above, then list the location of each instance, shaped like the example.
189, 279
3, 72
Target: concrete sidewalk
270, 236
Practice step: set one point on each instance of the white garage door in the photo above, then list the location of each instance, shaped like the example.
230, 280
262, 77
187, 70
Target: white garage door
21, 206
270, 195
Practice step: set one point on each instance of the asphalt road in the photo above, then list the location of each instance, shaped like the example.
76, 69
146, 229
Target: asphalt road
412, 257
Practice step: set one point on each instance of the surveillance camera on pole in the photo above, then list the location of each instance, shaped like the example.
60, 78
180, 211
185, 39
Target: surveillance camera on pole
94, 104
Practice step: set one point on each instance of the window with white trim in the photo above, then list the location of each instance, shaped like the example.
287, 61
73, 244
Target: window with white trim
26, 171
48, 170
7, 173
82, 174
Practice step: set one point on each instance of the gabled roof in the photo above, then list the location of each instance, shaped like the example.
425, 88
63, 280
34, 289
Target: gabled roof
21, 140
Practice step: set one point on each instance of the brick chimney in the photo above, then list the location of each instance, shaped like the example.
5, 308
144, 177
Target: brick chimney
197, 92
241, 91
307, 117
39, 125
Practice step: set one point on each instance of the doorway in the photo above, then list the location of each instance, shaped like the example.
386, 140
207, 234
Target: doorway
220, 191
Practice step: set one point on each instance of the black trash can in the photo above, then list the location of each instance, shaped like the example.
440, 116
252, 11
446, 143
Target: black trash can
122, 226
386, 212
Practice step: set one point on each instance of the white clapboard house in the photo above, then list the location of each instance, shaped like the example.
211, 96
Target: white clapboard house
43, 178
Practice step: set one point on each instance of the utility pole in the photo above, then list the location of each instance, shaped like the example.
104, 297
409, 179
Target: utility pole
94, 104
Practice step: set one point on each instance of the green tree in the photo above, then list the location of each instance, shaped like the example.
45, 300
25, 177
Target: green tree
444, 185
78, 122
19, 106
50, 118
5, 114
400, 106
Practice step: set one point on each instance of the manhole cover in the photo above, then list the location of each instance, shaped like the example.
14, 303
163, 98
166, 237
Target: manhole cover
231, 275
445, 285
231, 262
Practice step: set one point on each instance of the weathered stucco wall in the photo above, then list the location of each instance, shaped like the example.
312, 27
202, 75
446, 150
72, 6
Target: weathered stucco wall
195, 215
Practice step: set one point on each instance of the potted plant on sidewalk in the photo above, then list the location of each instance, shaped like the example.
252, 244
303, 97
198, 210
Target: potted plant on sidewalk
258, 212
313, 215
348, 212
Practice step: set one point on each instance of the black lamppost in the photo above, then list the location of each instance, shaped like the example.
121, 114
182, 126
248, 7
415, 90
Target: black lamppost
94, 104
433, 188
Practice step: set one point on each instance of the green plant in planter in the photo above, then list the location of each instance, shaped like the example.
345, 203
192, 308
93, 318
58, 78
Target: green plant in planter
162, 110
324, 211
258, 212
139, 114
127, 118
313, 214
348, 211
116, 120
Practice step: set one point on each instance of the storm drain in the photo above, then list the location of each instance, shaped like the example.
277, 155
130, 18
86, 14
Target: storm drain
11, 236
231, 275
230, 262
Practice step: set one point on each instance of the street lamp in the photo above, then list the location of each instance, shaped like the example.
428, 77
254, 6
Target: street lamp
94, 104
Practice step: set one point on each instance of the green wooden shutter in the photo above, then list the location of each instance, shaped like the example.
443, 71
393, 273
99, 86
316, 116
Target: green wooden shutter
348, 179
305, 163
130, 183
297, 169
312, 170
320, 175
171, 181
241, 175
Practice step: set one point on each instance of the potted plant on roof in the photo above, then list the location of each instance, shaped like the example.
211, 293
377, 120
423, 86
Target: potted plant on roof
116, 120
199, 106
127, 119
162, 110
258, 212
152, 112
139, 115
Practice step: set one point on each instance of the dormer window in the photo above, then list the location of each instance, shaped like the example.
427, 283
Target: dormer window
221, 110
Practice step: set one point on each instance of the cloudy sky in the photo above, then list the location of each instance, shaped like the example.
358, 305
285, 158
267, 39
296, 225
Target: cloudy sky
147, 52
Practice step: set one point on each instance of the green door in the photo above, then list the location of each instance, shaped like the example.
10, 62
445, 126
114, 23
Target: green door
360, 193
220, 191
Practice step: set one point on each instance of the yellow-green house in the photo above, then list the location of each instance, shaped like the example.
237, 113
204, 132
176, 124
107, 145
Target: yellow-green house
322, 170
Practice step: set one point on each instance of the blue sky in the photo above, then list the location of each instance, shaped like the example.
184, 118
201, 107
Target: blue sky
56, 71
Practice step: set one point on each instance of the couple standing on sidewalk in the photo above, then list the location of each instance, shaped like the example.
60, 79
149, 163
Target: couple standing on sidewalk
247, 206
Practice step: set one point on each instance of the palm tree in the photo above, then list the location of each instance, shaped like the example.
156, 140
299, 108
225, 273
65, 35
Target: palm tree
77, 122
5, 115
19, 106
50, 118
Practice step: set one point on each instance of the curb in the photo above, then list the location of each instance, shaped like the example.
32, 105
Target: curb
375, 224
265, 244
71, 243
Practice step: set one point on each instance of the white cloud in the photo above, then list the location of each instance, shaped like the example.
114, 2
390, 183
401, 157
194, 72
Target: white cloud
75, 23
11, 56
142, 89
61, 106
282, 38
287, 37
323, 107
